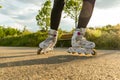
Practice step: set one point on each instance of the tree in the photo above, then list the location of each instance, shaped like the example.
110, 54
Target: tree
72, 9
43, 17
26, 31
1, 32
9, 31
0, 6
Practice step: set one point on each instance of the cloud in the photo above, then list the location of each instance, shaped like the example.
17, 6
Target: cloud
36, 2
105, 4
21, 12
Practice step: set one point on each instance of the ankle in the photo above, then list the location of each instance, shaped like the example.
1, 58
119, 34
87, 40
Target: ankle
53, 32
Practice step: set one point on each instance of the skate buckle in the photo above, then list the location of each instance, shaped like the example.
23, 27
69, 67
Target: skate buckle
79, 33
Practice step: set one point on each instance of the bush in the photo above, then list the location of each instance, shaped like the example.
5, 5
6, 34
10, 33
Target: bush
107, 37
24, 40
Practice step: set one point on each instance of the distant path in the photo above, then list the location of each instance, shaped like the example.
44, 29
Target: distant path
22, 63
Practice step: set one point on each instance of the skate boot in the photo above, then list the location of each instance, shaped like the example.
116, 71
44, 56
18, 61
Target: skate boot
80, 44
48, 44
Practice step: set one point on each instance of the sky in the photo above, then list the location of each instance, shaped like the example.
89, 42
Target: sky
20, 13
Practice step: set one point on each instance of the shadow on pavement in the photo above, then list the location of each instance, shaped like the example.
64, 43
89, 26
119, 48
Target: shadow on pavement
52, 60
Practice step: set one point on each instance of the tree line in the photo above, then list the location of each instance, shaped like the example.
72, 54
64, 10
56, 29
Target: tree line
106, 37
11, 32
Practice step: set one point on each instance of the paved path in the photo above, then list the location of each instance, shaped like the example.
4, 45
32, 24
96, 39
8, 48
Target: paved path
22, 63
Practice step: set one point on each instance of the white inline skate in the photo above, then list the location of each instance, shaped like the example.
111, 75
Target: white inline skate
48, 44
80, 44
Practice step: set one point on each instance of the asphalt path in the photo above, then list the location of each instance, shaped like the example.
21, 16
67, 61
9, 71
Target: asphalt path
22, 63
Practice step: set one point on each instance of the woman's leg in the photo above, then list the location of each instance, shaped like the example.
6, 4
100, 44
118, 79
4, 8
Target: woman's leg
86, 13
79, 43
49, 43
56, 13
